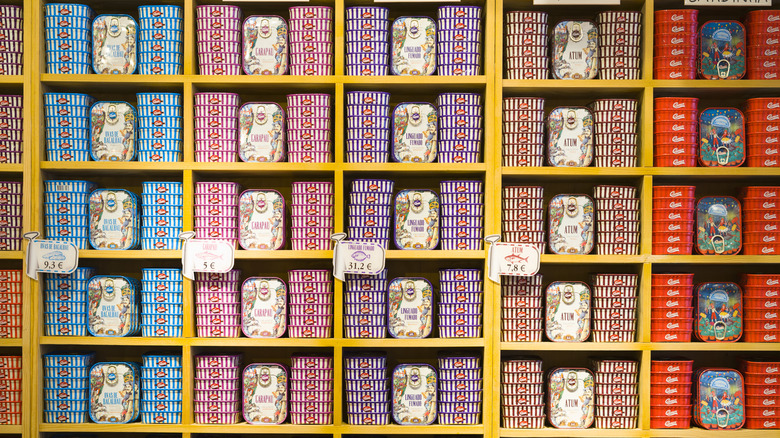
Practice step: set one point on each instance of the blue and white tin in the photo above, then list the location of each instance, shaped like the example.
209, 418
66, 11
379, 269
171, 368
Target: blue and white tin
160, 58
71, 100
161, 361
265, 45
160, 68
68, 9
59, 34
160, 23
114, 44
113, 308
162, 187
415, 126
68, 22
113, 131
414, 46
69, 57
158, 330
114, 221
159, 156
161, 133
68, 68
161, 417
82, 46
115, 393
74, 186
160, 11
261, 132
50, 416
150, 122
162, 47
162, 35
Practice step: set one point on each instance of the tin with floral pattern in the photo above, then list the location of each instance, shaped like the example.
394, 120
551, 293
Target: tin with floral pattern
261, 135
719, 312
115, 392
113, 219
719, 225
722, 50
568, 311
410, 307
417, 219
112, 128
413, 46
263, 307
415, 127
721, 137
571, 224
575, 50
114, 39
261, 219
414, 394
720, 399
570, 398
113, 306
265, 39
265, 388
570, 137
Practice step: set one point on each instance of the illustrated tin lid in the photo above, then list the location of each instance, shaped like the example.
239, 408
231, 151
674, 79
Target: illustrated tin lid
261, 132
414, 46
114, 392
410, 309
571, 224
264, 307
722, 50
114, 40
113, 309
261, 219
719, 225
719, 312
113, 219
720, 399
721, 137
113, 131
265, 45
570, 398
415, 127
568, 311
414, 394
575, 50
416, 219
265, 393
570, 137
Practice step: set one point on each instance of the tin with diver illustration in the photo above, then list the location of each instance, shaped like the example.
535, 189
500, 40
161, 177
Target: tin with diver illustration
114, 39
264, 307
112, 128
265, 39
575, 50
115, 392
721, 137
113, 219
265, 388
414, 394
416, 219
570, 402
722, 50
567, 316
261, 219
261, 132
415, 126
720, 398
719, 312
410, 307
719, 225
413, 46
113, 306
571, 224
570, 137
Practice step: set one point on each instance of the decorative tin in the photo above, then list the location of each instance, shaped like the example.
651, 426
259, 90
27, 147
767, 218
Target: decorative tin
113, 219
414, 394
570, 402
264, 307
571, 224
261, 219
113, 309
568, 311
112, 131
410, 311
719, 316
413, 46
570, 137
114, 44
415, 126
265, 393
721, 137
416, 219
261, 132
720, 399
265, 45
575, 50
719, 225
722, 50
114, 392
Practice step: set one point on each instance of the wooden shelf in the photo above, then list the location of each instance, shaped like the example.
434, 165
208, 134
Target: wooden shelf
13, 429
112, 167
413, 343
151, 81
11, 342
13, 255
12, 79
124, 341
555, 172
592, 259
399, 254
11, 168
427, 168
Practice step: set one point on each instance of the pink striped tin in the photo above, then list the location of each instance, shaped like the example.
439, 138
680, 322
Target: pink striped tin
219, 69
218, 11
217, 99
311, 12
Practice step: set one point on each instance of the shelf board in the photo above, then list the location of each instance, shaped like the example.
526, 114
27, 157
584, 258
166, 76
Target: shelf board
413, 343
255, 168
120, 341
11, 168
12, 79
423, 168
553, 432
592, 258
573, 171
247, 342
92, 427
400, 254
13, 429
130, 254
391, 429
715, 260
12, 255
232, 80
93, 79
573, 346
395, 429
415, 80
11, 343
242, 254
112, 167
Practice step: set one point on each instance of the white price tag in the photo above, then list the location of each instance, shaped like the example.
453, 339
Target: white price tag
728, 3
50, 256
356, 257
514, 259
200, 255
577, 2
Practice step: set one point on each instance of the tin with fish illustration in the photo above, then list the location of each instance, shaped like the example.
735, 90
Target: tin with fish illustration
718, 225
264, 307
570, 403
115, 392
113, 306
265, 387
417, 219
265, 45
719, 315
410, 307
722, 52
567, 316
720, 398
415, 127
261, 219
414, 394
261, 132
575, 51
570, 137
571, 224
112, 128
413, 46
113, 219
114, 39
721, 137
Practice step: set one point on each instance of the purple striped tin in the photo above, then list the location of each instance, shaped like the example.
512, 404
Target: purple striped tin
311, 12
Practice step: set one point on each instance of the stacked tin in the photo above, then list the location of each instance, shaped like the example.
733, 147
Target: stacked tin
761, 301
367, 47
160, 41
65, 210
676, 44
760, 219
160, 128
523, 126
462, 206
68, 38
216, 211
216, 127
365, 306
161, 215
11, 389
311, 304
673, 219
522, 393
11, 52
615, 132
161, 389
523, 215
367, 389
460, 303
617, 402
526, 45
219, 39
671, 308
67, 126
65, 302
368, 125
458, 49
619, 34
763, 44
10, 128
460, 127
308, 128
311, 26
614, 307
670, 393
11, 303
675, 127
761, 390
162, 294
217, 389
762, 135
312, 215
370, 211
218, 304
66, 387
311, 406
522, 318
617, 220
10, 216
460, 390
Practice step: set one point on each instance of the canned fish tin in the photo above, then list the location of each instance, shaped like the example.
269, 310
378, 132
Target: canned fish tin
415, 126
722, 50
261, 132
717, 392
114, 44
719, 314
416, 219
410, 312
719, 225
571, 224
261, 218
575, 50
265, 45
568, 312
114, 392
264, 304
113, 308
570, 142
570, 398
721, 142
414, 46
114, 221
414, 394
265, 393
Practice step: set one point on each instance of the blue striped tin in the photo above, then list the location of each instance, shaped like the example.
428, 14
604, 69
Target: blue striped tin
162, 407
161, 320
162, 395
65, 329
163, 384
152, 144
78, 277
67, 155
55, 284
68, 9
68, 359
65, 318
67, 133
161, 309
152, 296
66, 405
162, 291
161, 221
67, 100
161, 210
149, 110
160, 232
161, 68
67, 22
64, 417
161, 59
75, 394
65, 383
66, 372
153, 24
162, 187
63, 197
153, 35
67, 122
63, 34
159, 133
161, 11
160, 417
62, 233
50, 208
159, 47
160, 122
158, 99
150, 373
66, 144
161, 199
164, 331
70, 220
69, 56
159, 156
161, 275
75, 186
154, 360
69, 44
68, 68
65, 306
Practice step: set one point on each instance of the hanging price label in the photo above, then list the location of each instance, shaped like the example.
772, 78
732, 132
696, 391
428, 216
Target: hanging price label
200, 255
356, 257
514, 259
49, 256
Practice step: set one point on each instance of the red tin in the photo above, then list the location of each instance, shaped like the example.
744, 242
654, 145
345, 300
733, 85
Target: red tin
762, 249
674, 73
665, 214
672, 365
671, 291
670, 336
763, 103
676, 15
672, 249
761, 279
676, 39
675, 138
763, 161
675, 280
675, 51
671, 303
670, 422
762, 423
674, 400
765, 192
676, 103
761, 303
679, 115
673, 226
672, 126
670, 389
679, 312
